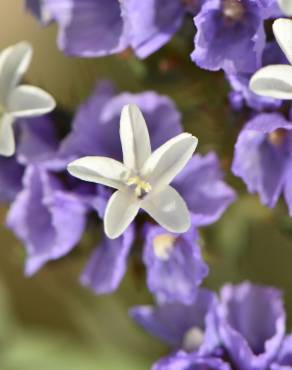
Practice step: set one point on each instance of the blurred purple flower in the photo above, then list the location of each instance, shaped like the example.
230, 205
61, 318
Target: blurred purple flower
49, 220
263, 157
284, 358
95, 129
182, 326
94, 28
230, 34
175, 267
36, 144
251, 323
185, 361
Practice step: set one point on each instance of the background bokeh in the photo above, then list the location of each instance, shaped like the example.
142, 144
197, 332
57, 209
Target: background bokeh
50, 322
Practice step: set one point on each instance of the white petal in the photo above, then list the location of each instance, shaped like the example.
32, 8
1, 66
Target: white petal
14, 62
134, 137
169, 159
7, 143
169, 209
101, 170
282, 29
29, 101
286, 7
273, 81
121, 210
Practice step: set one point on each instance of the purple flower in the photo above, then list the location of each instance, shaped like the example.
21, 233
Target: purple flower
95, 126
263, 157
184, 361
201, 185
175, 267
94, 28
230, 34
242, 95
107, 264
251, 322
182, 326
95, 132
36, 144
284, 358
49, 220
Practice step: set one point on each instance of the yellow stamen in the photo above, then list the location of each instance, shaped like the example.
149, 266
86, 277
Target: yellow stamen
163, 245
141, 186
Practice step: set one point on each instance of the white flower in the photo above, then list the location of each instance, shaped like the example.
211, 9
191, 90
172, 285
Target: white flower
18, 101
286, 7
143, 179
275, 81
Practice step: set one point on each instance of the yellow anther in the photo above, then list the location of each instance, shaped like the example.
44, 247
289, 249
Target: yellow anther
141, 186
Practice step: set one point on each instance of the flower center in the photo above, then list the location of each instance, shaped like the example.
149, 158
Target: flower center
141, 187
233, 9
163, 245
193, 339
277, 137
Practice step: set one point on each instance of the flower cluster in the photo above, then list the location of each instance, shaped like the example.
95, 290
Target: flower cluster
50, 208
163, 194
243, 329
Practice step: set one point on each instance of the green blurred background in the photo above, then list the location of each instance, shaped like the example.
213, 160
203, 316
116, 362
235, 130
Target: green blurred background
50, 322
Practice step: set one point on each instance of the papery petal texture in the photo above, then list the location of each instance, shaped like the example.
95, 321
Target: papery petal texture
107, 264
49, 221
202, 187
89, 28
175, 267
251, 324
171, 322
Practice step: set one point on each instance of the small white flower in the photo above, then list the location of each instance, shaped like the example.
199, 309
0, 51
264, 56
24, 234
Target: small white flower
275, 81
143, 179
286, 7
18, 101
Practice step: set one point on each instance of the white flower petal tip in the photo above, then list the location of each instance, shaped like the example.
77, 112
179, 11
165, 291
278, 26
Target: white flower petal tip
169, 209
286, 7
282, 29
30, 101
143, 179
101, 170
134, 137
274, 81
121, 210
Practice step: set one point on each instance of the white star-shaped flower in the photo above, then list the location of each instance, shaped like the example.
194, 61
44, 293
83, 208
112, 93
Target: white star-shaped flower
18, 101
143, 179
275, 81
286, 7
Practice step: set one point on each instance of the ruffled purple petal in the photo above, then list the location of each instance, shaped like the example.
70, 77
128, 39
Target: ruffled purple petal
107, 264
201, 185
251, 324
151, 23
175, 323
89, 28
49, 221
184, 361
175, 267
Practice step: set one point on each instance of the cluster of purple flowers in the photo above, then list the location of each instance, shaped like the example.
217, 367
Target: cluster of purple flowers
242, 329
50, 208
